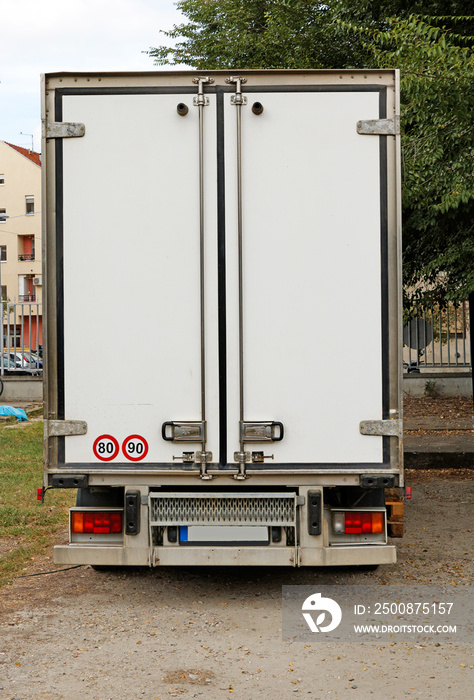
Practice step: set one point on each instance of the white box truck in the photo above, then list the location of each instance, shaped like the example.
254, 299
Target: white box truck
222, 296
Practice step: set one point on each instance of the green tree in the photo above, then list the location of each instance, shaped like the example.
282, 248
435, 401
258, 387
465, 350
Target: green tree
437, 69
283, 33
435, 58
256, 34
374, 13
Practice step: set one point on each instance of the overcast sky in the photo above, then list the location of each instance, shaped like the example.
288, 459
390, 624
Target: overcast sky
40, 36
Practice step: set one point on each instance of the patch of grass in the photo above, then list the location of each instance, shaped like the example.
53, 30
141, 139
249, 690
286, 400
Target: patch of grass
27, 527
35, 413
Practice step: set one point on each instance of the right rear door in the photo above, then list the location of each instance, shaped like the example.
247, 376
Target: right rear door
313, 267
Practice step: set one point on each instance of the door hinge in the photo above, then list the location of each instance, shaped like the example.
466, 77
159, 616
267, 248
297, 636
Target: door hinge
63, 428
238, 98
201, 100
63, 130
203, 457
392, 428
379, 127
242, 456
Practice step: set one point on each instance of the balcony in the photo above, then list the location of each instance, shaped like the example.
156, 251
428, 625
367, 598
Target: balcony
26, 248
27, 297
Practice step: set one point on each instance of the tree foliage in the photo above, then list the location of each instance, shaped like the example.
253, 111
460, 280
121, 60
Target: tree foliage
437, 69
256, 34
435, 57
373, 14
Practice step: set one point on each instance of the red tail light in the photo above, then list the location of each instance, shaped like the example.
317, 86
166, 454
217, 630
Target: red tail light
363, 523
96, 522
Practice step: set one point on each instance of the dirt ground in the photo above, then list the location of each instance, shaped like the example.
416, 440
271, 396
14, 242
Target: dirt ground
450, 408
216, 633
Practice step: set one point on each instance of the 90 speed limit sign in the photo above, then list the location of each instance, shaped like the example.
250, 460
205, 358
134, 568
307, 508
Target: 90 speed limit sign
106, 448
135, 448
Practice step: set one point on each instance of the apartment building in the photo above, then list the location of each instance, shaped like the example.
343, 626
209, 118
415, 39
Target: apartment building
20, 239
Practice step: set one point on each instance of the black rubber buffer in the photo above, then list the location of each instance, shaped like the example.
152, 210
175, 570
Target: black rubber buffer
132, 512
314, 512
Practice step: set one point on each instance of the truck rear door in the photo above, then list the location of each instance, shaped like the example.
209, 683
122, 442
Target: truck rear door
223, 284
313, 305
129, 322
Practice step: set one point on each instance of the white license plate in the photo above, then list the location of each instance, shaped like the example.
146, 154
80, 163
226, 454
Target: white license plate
223, 534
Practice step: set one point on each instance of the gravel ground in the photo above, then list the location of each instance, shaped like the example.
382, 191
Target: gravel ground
449, 408
215, 633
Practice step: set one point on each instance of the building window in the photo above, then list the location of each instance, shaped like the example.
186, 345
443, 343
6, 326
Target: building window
26, 246
3, 216
26, 288
2, 179
13, 336
3, 292
30, 205
3, 253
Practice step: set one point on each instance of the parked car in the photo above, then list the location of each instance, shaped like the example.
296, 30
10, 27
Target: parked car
9, 364
33, 360
19, 363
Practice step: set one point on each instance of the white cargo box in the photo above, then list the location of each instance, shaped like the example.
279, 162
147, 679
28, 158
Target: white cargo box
223, 272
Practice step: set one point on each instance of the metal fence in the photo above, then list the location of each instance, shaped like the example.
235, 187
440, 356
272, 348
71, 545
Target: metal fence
433, 338
22, 338
438, 337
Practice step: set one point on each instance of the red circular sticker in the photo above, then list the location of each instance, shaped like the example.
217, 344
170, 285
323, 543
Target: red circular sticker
135, 448
106, 448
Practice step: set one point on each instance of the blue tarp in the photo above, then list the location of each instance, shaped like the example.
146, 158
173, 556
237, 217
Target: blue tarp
10, 411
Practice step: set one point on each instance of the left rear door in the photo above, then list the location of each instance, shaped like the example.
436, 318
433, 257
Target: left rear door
129, 330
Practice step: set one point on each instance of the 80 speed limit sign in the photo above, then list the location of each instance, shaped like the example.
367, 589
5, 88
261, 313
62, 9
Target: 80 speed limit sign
106, 448
135, 448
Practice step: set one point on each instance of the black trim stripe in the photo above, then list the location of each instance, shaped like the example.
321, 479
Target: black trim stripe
233, 468
131, 91
221, 261
213, 89
58, 149
222, 330
384, 273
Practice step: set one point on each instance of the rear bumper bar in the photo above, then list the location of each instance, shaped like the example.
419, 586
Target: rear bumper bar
225, 556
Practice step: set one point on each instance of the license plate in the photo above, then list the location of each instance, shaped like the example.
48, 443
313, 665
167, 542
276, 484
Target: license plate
223, 534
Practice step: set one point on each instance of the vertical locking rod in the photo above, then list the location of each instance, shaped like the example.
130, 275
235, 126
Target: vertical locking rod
201, 101
238, 100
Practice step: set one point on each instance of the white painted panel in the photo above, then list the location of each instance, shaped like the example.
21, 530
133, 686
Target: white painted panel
312, 274
131, 270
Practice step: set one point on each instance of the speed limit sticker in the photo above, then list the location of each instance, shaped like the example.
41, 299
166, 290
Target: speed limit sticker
106, 448
135, 448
